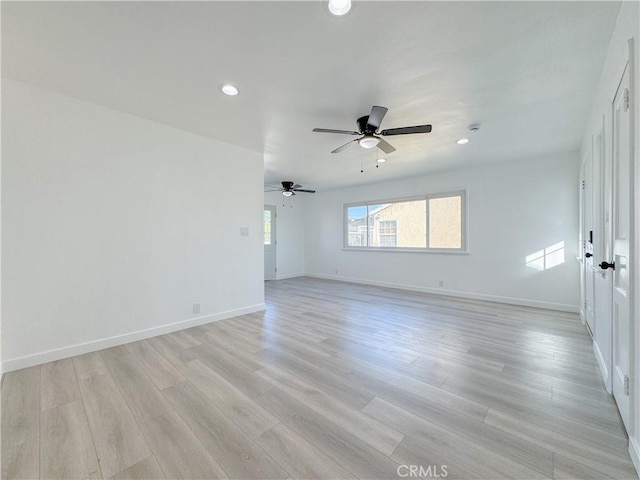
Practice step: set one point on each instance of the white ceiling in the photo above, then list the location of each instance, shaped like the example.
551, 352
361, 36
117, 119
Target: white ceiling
526, 71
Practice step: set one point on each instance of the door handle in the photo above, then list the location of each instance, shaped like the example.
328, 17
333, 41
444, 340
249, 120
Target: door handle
605, 265
588, 255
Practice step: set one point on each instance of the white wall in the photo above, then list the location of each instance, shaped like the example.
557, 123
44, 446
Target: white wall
1, 364
515, 209
627, 27
289, 233
113, 226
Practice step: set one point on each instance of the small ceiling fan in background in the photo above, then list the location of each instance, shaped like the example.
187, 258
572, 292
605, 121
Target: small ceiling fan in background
368, 127
288, 189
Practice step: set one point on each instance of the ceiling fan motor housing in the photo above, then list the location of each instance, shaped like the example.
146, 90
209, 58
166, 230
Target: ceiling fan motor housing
363, 126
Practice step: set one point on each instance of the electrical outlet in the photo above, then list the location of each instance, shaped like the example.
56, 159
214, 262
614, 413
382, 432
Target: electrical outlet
441, 283
244, 231
336, 271
196, 308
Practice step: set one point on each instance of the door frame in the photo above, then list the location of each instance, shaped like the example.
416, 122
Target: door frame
634, 367
274, 240
581, 245
588, 206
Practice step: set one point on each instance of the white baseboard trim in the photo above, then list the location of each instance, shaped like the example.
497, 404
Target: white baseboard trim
634, 452
94, 345
289, 275
455, 293
604, 371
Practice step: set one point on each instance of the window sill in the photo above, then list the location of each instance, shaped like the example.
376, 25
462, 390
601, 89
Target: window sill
407, 250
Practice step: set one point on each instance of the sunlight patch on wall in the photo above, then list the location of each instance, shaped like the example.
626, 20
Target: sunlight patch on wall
547, 258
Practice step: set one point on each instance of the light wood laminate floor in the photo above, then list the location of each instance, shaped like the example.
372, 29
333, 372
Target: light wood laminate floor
335, 381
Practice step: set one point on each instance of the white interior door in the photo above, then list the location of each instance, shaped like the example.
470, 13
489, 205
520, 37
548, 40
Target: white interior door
602, 279
269, 222
622, 181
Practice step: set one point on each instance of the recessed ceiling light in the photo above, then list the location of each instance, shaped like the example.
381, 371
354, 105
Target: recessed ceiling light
230, 90
462, 141
382, 160
339, 7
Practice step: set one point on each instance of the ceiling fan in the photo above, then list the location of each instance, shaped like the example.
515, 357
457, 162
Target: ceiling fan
368, 127
289, 188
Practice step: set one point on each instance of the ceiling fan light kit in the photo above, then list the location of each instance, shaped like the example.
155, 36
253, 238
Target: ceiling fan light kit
368, 127
369, 141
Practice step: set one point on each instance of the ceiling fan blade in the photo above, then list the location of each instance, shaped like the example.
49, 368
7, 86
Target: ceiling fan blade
339, 149
302, 190
297, 185
376, 116
328, 130
273, 190
407, 130
385, 146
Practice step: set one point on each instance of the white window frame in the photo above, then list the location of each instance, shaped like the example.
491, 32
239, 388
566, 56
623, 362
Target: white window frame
461, 192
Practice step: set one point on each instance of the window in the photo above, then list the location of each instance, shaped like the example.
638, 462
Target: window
267, 227
432, 222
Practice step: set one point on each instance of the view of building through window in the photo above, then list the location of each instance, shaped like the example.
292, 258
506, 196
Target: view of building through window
445, 226
403, 223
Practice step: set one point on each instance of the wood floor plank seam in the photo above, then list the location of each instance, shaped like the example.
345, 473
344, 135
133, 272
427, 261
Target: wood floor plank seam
287, 458
333, 410
462, 438
108, 453
143, 379
457, 432
282, 465
318, 445
146, 469
238, 404
241, 437
93, 442
168, 473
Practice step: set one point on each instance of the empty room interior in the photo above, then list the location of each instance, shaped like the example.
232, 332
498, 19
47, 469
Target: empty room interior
320, 240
